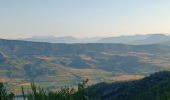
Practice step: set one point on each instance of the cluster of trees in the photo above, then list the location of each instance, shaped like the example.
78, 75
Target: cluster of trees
38, 93
154, 87
4, 95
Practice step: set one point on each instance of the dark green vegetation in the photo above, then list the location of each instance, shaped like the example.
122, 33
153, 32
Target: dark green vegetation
154, 87
4, 95
38, 93
66, 64
63, 94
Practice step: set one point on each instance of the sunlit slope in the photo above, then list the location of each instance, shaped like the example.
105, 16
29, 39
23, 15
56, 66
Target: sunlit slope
64, 64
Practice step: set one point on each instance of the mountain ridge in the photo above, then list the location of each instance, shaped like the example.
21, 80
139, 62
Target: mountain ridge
131, 40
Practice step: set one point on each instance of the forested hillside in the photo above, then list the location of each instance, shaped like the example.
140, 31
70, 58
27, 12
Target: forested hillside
153, 87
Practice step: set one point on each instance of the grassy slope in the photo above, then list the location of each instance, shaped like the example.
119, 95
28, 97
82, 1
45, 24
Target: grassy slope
63, 64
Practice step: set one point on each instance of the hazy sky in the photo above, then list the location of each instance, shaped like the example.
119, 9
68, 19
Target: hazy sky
83, 18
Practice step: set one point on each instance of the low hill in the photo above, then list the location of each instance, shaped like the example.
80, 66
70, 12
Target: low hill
154, 87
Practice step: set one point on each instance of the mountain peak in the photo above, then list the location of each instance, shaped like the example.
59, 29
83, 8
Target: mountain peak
158, 35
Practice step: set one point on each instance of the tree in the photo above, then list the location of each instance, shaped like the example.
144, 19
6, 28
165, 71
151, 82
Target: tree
4, 95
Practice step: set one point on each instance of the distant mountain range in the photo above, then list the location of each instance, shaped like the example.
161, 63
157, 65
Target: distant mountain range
68, 39
132, 40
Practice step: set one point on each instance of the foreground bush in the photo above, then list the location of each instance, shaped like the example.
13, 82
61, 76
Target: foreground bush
38, 93
4, 95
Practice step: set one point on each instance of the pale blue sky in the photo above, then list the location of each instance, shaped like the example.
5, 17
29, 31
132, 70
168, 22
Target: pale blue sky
83, 18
